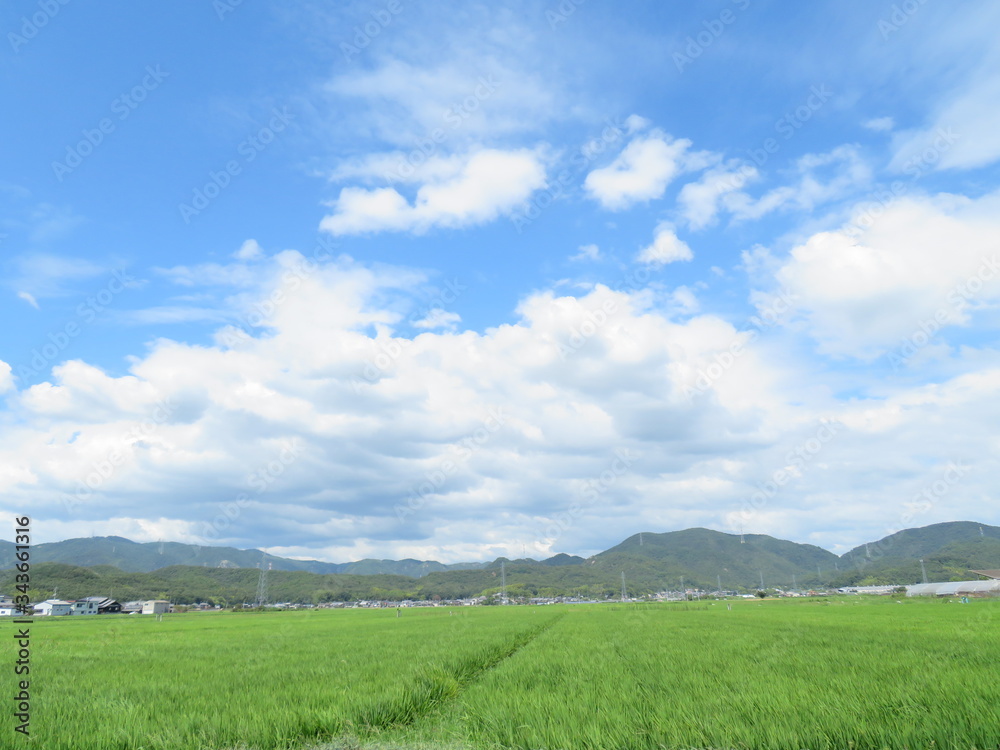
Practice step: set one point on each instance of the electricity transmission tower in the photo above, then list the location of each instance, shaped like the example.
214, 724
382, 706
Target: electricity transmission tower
262, 582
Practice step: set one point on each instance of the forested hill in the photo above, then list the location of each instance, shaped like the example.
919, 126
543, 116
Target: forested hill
702, 558
136, 557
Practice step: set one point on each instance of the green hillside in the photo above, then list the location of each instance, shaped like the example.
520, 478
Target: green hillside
705, 558
650, 562
951, 562
127, 555
924, 542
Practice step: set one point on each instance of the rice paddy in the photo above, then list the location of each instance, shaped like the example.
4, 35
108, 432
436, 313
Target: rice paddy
840, 673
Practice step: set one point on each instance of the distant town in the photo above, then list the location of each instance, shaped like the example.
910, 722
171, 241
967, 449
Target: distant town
987, 585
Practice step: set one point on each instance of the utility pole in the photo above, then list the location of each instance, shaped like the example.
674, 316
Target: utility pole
624, 597
761, 579
718, 580
684, 595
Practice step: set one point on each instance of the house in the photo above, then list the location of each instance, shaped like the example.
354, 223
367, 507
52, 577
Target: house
131, 608
101, 605
53, 607
86, 606
8, 610
156, 607
108, 606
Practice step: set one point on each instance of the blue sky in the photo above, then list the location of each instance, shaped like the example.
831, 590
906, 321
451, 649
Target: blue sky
387, 280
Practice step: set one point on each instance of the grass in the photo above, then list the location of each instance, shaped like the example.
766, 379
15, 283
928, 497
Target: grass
843, 673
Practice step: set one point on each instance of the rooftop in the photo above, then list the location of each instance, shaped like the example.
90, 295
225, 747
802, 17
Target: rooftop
987, 573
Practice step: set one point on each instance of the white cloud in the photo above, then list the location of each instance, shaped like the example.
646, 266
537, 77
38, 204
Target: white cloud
642, 171
29, 298
6, 377
379, 411
468, 97
635, 123
864, 292
44, 275
821, 178
403, 167
271, 418
699, 201
666, 248
683, 301
439, 318
962, 134
587, 252
249, 250
880, 124
489, 183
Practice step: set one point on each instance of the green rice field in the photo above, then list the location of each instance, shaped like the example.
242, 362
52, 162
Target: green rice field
844, 672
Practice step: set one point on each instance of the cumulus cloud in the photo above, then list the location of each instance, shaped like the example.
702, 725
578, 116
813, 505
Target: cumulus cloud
532, 409
642, 171
6, 377
481, 187
332, 435
699, 201
249, 250
666, 248
925, 261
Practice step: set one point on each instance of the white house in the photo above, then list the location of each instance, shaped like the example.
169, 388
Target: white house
86, 606
8, 610
155, 607
53, 607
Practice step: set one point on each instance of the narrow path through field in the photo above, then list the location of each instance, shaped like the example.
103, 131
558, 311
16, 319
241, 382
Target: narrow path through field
444, 685
465, 679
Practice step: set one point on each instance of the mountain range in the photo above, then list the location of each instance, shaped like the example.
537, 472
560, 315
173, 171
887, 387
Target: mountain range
654, 561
